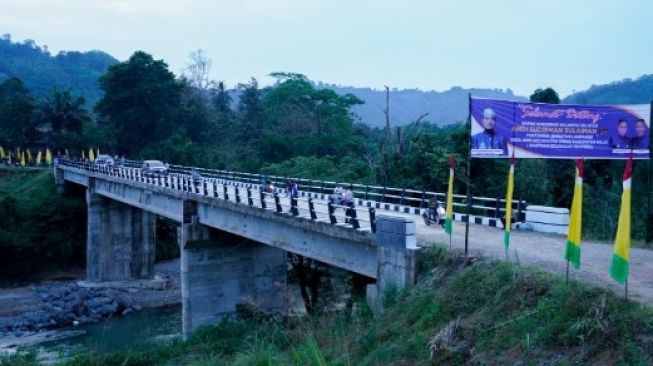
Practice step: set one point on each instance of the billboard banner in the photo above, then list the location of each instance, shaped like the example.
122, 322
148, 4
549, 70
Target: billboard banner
558, 131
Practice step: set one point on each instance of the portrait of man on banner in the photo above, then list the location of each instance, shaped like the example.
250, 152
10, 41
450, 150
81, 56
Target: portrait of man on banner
640, 141
558, 131
489, 141
621, 139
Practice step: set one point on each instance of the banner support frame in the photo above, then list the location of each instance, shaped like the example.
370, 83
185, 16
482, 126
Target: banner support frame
469, 174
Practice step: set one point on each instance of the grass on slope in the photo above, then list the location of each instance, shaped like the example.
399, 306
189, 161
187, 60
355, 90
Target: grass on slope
462, 312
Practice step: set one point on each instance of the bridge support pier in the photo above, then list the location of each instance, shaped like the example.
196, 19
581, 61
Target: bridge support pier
216, 275
397, 256
58, 179
120, 242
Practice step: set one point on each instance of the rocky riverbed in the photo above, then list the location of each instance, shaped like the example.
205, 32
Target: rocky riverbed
31, 310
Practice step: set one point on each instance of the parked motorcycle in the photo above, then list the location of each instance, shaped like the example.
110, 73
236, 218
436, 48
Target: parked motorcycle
434, 215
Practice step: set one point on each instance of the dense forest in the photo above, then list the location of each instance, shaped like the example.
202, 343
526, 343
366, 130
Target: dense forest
627, 91
41, 71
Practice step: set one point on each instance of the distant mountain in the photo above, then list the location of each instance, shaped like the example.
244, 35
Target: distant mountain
627, 91
40, 71
407, 105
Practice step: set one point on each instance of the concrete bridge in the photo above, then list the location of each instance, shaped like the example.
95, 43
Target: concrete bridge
215, 276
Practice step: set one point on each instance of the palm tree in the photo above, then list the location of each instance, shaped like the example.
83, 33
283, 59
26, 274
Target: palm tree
63, 112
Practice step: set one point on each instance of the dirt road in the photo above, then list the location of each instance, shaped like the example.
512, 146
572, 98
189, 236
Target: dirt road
547, 252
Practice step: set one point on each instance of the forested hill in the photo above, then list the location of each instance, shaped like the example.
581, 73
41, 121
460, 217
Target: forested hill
408, 105
627, 91
41, 71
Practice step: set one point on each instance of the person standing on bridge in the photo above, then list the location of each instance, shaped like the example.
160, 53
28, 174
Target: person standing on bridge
292, 190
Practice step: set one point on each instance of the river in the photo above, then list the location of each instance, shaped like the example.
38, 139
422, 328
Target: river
137, 331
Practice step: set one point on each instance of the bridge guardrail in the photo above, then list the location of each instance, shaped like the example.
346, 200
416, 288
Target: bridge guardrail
242, 193
491, 207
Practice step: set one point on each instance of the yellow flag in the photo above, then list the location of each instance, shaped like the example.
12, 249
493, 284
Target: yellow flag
91, 155
572, 252
621, 256
2, 153
511, 187
22, 159
48, 157
448, 216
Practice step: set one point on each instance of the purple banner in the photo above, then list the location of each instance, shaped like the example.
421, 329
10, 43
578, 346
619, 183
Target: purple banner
558, 131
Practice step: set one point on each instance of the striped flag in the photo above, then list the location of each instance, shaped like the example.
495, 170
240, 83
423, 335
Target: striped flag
619, 267
511, 186
572, 253
448, 217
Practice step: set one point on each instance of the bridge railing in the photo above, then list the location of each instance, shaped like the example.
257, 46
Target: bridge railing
491, 207
243, 193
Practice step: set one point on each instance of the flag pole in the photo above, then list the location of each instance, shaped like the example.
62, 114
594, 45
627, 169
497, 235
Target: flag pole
648, 180
469, 173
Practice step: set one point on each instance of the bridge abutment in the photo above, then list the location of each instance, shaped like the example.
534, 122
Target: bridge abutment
397, 256
120, 242
219, 273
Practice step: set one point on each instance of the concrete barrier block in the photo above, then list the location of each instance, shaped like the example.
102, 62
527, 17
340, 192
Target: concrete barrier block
395, 224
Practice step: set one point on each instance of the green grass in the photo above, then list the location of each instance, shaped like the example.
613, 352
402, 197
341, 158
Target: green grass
476, 311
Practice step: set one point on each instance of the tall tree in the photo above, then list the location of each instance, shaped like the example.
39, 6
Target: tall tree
141, 100
17, 122
195, 116
250, 111
224, 115
198, 69
64, 112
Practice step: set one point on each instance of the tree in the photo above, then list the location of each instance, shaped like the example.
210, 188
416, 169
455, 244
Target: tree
250, 111
141, 100
547, 95
17, 122
63, 112
195, 115
309, 121
197, 71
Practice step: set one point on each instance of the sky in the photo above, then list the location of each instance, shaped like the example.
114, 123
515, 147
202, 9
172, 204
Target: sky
430, 45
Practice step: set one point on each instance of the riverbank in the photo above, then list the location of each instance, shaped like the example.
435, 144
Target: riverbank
30, 313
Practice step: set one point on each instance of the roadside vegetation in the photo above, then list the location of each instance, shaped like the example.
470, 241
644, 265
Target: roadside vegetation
463, 311
40, 229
